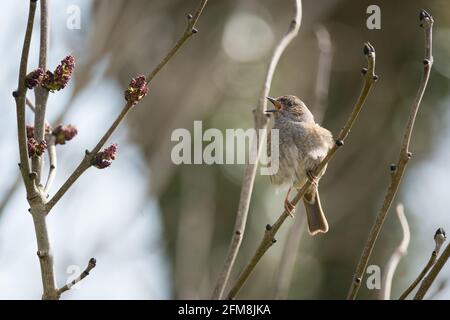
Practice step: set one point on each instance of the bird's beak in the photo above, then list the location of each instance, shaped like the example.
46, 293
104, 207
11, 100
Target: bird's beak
276, 103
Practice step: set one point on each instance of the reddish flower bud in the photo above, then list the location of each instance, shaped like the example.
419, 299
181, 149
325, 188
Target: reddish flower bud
64, 133
104, 158
136, 90
34, 78
58, 79
35, 148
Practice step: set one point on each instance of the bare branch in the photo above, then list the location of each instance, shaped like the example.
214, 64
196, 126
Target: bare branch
261, 122
20, 95
91, 265
87, 160
271, 230
89, 155
399, 252
439, 239
9, 194
44, 252
426, 21
429, 279
16, 184
51, 143
30, 105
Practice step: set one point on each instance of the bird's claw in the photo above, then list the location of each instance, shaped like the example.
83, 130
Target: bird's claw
312, 178
289, 207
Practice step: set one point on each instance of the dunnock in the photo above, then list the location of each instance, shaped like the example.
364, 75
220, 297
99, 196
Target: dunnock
303, 144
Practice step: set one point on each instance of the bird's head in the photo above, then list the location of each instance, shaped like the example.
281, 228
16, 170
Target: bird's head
291, 107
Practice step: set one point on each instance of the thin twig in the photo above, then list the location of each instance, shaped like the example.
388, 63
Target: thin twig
32, 107
91, 265
51, 142
89, 155
37, 207
20, 96
271, 230
190, 30
296, 230
41, 94
399, 252
426, 21
429, 279
439, 239
261, 122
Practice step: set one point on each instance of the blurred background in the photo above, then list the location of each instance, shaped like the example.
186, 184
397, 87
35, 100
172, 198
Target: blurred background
161, 231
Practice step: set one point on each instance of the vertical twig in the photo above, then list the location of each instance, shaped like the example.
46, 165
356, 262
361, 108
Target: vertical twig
399, 252
20, 97
439, 239
190, 30
296, 230
41, 94
271, 230
440, 287
51, 143
426, 21
261, 121
16, 184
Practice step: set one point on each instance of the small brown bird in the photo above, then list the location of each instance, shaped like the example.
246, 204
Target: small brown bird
303, 144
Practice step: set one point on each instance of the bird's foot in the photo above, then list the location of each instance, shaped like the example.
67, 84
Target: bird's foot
312, 178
